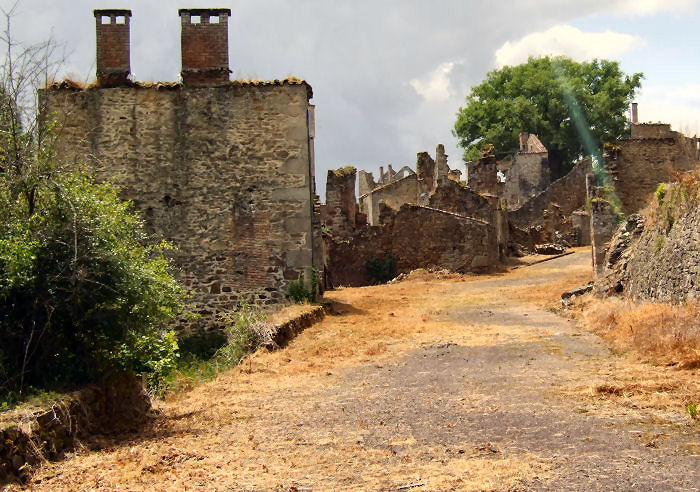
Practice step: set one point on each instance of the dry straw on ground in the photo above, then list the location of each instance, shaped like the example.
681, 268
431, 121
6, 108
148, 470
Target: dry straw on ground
661, 333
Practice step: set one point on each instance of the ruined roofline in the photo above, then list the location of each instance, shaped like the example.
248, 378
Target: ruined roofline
71, 85
386, 185
444, 212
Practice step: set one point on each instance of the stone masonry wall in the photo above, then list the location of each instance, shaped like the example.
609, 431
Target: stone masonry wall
341, 206
568, 193
655, 255
223, 173
393, 194
416, 237
526, 178
482, 176
365, 182
638, 166
456, 198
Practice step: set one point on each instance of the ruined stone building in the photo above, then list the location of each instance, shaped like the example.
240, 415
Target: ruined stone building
421, 219
431, 219
222, 169
515, 180
634, 168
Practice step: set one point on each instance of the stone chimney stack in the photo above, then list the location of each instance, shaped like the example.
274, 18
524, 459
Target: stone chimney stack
204, 45
381, 174
113, 47
635, 115
523, 141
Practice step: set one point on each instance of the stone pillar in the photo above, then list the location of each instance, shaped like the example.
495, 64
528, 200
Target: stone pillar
113, 47
204, 45
441, 168
341, 204
603, 223
425, 169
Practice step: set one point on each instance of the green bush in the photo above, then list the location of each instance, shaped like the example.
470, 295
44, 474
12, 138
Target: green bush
381, 270
298, 291
82, 293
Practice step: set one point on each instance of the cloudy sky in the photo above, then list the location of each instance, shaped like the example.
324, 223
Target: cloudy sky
389, 75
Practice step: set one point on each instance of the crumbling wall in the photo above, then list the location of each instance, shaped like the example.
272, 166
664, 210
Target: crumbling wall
604, 221
341, 205
527, 176
28, 437
365, 183
651, 130
456, 198
655, 255
416, 237
425, 169
442, 170
394, 194
638, 166
482, 176
224, 173
567, 193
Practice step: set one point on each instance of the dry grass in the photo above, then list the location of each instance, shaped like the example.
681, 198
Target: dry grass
249, 429
660, 333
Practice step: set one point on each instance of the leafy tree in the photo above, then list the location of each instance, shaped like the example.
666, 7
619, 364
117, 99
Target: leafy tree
573, 107
84, 293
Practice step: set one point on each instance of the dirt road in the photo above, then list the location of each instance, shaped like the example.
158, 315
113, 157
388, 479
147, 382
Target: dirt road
460, 383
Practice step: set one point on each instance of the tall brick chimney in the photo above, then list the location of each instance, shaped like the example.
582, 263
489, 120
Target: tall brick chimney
113, 47
204, 44
635, 113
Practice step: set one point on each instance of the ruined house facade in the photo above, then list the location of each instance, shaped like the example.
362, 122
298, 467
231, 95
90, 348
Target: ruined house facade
224, 170
516, 180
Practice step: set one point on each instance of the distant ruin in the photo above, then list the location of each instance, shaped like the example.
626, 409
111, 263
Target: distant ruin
224, 170
430, 218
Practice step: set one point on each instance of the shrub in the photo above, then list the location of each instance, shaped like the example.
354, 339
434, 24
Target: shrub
82, 293
298, 291
381, 270
246, 329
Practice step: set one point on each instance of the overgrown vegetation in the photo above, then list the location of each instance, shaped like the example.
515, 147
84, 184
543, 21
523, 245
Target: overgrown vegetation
381, 270
84, 292
245, 330
674, 200
298, 291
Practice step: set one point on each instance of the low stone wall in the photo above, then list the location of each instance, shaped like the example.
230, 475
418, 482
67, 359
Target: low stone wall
285, 331
416, 237
29, 437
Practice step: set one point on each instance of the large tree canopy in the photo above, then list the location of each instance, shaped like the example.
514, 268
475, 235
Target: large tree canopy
573, 107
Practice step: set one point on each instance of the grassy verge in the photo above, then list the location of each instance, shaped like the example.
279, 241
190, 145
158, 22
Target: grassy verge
662, 333
245, 330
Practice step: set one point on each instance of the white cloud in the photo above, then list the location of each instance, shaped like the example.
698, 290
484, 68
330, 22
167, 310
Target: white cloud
569, 41
436, 86
650, 7
677, 105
